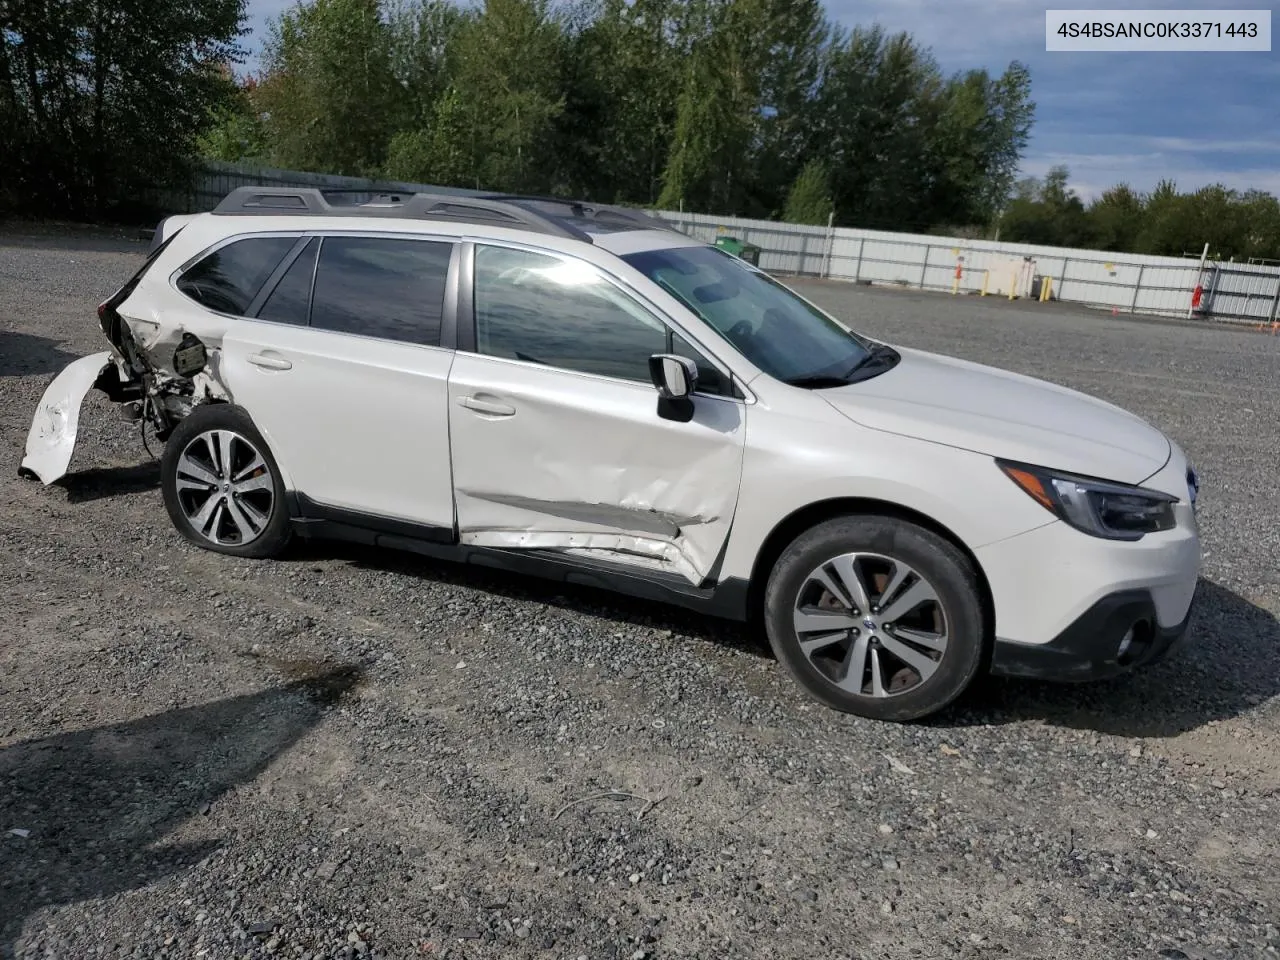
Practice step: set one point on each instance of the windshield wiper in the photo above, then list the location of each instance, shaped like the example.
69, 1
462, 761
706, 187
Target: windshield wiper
817, 382
879, 355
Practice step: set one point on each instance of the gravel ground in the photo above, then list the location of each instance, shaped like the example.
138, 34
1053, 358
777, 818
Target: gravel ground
360, 754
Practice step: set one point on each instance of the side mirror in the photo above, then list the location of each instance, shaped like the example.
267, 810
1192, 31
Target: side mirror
675, 377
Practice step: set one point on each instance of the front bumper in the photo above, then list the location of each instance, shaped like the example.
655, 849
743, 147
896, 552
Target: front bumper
1094, 646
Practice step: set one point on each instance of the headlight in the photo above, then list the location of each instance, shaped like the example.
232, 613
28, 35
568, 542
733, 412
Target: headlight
1113, 511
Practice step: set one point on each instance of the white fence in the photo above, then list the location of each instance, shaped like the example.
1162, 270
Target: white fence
1128, 283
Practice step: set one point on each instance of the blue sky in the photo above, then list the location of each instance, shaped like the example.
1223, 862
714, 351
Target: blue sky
1197, 118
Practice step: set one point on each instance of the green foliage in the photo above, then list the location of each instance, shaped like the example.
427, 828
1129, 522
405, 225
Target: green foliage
809, 200
329, 97
506, 82
1047, 212
759, 108
234, 133
715, 105
1234, 224
101, 101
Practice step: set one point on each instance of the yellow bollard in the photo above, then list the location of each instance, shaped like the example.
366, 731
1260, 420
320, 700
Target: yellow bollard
986, 277
1013, 284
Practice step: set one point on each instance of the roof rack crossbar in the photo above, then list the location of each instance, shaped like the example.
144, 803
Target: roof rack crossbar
312, 201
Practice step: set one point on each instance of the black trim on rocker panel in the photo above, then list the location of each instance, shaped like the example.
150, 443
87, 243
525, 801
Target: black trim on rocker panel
309, 511
726, 599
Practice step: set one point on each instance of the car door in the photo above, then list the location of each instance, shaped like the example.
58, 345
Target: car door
342, 370
554, 427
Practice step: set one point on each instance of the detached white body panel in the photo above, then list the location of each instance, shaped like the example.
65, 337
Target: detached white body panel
52, 438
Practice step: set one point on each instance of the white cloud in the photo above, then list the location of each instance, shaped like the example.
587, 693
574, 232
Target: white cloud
961, 33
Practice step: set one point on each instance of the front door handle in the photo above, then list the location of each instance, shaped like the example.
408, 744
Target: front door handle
269, 362
494, 408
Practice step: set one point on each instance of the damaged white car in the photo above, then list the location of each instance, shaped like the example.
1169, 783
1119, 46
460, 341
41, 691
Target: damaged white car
585, 394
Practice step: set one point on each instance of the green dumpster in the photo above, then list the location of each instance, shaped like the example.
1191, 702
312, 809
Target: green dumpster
746, 251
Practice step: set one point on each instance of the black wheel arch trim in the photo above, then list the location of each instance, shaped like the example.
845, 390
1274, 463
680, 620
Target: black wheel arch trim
801, 519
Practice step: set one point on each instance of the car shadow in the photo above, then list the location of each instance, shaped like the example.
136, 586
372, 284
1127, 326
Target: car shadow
85, 814
1229, 665
28, 355
594, 601
99, 482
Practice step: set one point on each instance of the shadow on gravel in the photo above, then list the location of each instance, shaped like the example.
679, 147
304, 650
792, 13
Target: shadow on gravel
567, 596
25, 355
93, 807
1229, 665
98, 482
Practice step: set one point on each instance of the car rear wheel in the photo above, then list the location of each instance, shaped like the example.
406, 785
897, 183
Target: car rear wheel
876, 616
221, 485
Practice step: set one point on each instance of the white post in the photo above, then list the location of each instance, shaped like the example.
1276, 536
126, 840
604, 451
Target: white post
1191, 310
1137, 288
831, 239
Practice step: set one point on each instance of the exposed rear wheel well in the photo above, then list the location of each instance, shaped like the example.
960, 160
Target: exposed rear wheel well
816, 513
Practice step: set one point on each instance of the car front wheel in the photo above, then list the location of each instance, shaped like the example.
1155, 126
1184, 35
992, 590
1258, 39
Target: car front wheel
876, 616
221, 485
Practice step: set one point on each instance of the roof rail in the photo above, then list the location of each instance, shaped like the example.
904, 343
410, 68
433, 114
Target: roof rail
584, 209
314, 201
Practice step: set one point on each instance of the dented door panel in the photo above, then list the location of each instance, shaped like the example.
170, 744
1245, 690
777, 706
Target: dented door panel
585, 465
52, 437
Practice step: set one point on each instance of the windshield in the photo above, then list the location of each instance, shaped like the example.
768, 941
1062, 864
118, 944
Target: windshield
772, 327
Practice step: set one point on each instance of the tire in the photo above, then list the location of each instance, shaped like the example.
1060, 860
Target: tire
921, 628
251, 521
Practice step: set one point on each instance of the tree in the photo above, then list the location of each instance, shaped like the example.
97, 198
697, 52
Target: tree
718, 108
795, 44
329, 97
436, 152
621, 79
235, 132
101, 101
506, 91
875, 105
1116, 219
1046, 212
809, 200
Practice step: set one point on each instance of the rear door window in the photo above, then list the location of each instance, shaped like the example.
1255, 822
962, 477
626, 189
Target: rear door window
387, 287
228, 279
290, 301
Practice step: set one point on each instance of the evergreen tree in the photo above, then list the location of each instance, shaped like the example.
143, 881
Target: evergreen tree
809, 200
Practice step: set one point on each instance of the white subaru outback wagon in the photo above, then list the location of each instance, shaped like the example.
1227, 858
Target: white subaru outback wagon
583, 393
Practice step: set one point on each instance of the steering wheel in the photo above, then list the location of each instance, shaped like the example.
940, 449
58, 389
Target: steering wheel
742, 330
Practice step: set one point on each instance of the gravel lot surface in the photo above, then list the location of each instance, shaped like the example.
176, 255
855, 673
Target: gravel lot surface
362, 754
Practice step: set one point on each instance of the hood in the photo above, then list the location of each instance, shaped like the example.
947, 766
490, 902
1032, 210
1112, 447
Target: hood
1002, 414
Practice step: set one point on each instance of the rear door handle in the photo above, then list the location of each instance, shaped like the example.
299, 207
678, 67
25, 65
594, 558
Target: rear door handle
494, 408
269, 362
